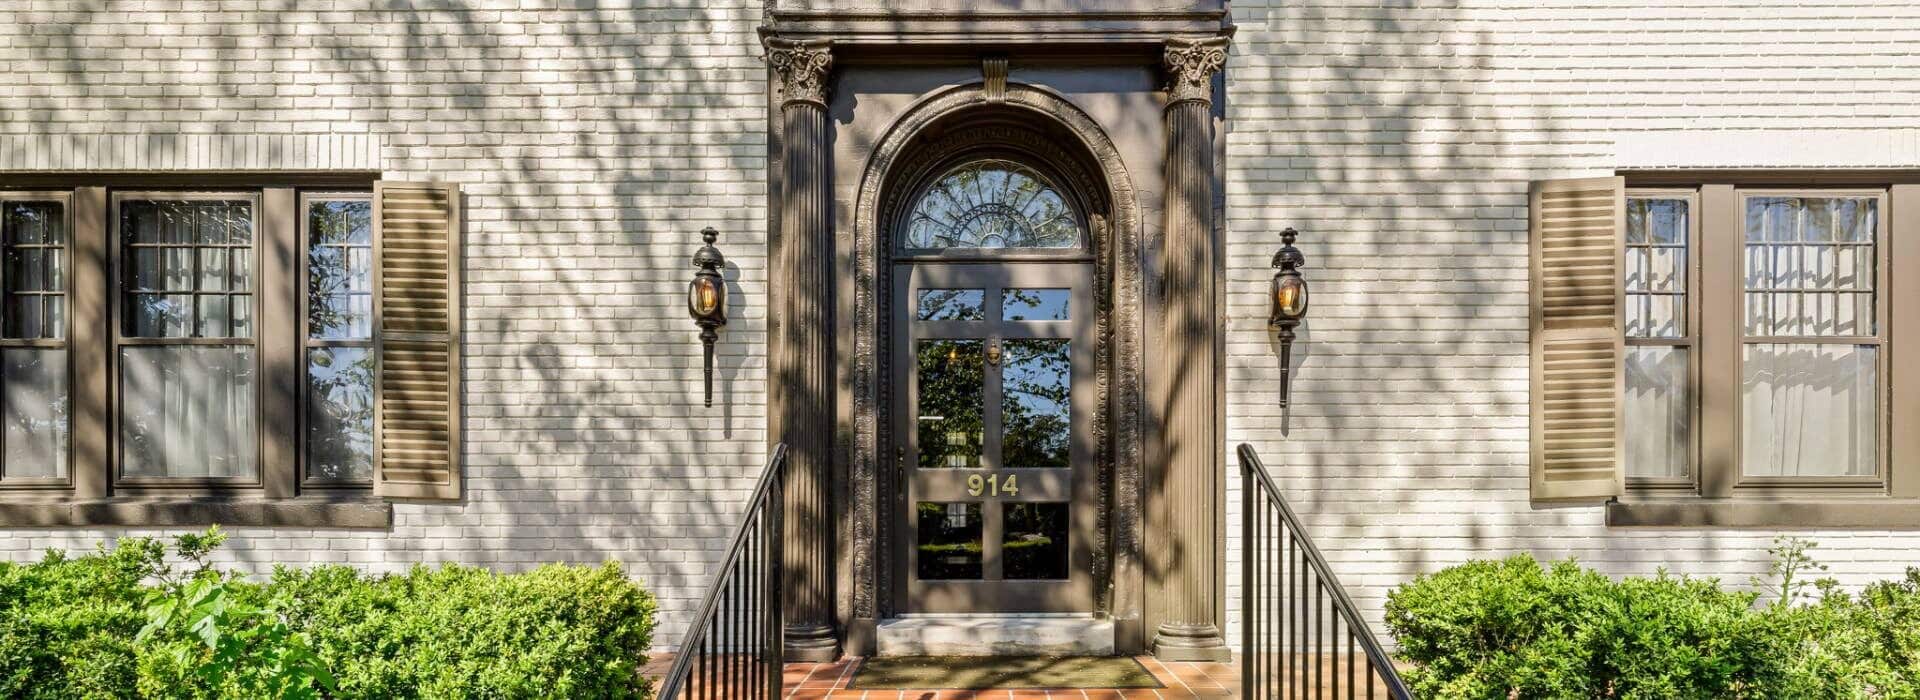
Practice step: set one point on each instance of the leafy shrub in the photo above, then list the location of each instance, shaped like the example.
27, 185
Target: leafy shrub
1518, 629
67, 624
122, 623
557, 631
217, 641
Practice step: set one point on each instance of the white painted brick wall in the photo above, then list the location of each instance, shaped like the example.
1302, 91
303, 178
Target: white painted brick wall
593, 141
1399, 138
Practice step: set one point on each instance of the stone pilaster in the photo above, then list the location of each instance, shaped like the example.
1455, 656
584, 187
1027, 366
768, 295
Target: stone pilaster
1193, 490
802, 356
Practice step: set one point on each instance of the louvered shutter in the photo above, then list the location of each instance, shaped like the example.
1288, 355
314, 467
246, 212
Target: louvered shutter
417, 450
1575, 229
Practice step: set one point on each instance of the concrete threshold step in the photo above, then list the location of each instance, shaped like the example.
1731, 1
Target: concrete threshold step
1027, 634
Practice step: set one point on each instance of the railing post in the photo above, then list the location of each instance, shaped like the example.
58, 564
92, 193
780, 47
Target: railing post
775, 513
1249, 598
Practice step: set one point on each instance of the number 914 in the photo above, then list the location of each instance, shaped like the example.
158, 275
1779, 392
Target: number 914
993, 485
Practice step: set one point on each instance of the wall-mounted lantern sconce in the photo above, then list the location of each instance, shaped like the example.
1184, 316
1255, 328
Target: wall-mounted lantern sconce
1289, 296
707, 298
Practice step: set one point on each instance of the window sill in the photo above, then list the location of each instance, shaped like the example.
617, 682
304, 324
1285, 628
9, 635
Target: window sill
1876, 514
356, 514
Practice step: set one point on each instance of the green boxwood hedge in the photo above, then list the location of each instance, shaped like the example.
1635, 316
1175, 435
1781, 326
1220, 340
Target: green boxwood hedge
72, 627
1518, 629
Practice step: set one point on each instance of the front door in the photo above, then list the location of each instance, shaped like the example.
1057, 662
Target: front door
998, 500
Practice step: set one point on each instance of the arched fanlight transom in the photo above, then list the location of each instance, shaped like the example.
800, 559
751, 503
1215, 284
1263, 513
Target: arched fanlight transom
992, 203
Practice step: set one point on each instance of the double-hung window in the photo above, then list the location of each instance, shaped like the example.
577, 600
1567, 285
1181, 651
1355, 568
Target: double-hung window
1659, 362
35, 404
1761, 349
185, 356
337, 338
180, 356
1812, 354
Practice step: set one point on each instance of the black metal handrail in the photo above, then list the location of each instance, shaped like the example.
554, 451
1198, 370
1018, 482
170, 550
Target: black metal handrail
734, 647
1293, 608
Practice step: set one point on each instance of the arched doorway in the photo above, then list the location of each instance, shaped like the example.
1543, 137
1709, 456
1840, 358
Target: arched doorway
994, 360
1025, 129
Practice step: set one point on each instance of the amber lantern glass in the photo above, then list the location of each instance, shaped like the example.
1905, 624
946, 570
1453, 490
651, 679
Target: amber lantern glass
1289, 297
705, 297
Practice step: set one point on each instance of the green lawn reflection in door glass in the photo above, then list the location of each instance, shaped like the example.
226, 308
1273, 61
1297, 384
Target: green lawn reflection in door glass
949, 546
951, 409
1036, 402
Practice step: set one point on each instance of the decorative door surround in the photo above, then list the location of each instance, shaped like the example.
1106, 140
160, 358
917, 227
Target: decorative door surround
1172, 553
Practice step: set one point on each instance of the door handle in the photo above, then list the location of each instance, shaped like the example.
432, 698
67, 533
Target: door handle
993, 352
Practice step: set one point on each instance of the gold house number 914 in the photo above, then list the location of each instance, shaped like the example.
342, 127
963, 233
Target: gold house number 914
993, 485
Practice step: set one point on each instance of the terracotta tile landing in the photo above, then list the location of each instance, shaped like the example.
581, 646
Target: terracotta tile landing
828, 681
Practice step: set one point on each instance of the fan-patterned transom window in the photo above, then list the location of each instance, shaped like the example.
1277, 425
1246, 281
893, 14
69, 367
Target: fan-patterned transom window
992, 203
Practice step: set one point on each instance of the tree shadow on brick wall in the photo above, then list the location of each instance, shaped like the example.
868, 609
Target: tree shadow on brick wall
1381, 137
593, 144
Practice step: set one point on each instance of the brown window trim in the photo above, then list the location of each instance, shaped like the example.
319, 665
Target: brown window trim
1867, 513
160, 511
1724, 496
94, 494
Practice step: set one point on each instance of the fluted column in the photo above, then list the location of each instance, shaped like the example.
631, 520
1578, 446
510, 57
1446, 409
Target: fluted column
802, 357
1194, 490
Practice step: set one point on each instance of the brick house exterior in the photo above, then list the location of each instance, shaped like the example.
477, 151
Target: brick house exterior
592, 141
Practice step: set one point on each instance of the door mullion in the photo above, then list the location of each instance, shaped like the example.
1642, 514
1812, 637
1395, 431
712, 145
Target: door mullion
992, 531
994, 525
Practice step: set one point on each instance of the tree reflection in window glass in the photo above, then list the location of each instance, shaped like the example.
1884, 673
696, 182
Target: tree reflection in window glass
1035, 304
340, 357
949, 540
1035, 411
992, 204
340, 269
951, 403
952, 304
34, 269
187, 268
340, 413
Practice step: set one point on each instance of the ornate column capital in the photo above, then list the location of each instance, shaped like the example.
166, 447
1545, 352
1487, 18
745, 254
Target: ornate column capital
1191, 64
801, 67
